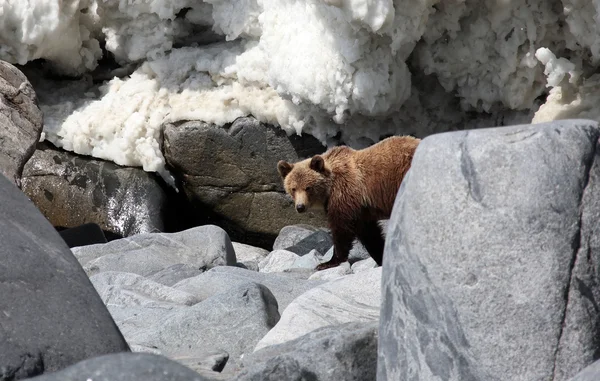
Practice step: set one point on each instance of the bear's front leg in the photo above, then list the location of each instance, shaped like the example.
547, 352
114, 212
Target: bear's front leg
342, 243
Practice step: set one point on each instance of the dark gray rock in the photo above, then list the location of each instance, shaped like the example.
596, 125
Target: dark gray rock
232, 322
340, 352
71, 190
589, 373
125, 367
489, 265
20, 121
222, 279
202, 247
291, 235
320, 241
231, 172
51, 315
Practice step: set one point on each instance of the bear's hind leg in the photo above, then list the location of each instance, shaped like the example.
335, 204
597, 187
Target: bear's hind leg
370, 235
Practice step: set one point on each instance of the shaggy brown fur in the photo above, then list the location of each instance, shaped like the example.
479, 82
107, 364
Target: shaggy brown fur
356, 187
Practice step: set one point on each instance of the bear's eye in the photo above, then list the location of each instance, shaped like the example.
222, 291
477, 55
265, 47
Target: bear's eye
308, 189
293, 190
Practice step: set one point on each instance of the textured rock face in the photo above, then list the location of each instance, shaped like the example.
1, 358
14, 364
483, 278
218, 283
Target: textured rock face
231, 173
354, 298
489, 266
125, 367
339, 352
202, 247
51, 315
20, 121
71, 190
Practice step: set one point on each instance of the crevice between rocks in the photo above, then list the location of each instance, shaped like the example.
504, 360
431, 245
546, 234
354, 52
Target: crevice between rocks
576, 245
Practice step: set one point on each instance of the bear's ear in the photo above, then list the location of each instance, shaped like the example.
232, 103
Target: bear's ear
284, 168
317, 163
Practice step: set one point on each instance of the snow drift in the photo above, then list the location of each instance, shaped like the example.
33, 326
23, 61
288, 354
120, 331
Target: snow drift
310, 66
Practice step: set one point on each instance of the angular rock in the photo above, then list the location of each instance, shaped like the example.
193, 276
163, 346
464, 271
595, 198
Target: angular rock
51, 315
71, 190
232, 322
342, 352
222, 279
489, 265
127, 289
125, 367
203, 247
333, 273
249, 256
291, 235
278, 261
231, 172
353, 298
20, 121
320, 241
308, 261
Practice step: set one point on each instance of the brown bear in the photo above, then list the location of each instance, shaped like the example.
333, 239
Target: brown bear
355, 187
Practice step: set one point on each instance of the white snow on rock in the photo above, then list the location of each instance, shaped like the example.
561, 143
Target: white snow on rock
311, 66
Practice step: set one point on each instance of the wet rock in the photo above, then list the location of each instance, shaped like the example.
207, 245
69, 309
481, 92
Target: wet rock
71, 190
20, 121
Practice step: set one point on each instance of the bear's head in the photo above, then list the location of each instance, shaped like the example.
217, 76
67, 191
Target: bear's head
308, 182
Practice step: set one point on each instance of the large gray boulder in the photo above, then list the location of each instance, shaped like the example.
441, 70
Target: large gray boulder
223, 279
20, 121
491, 257
71, 190
353, 298
125, 367
231, 173
202, 247
341, 352
231, 322
51, 315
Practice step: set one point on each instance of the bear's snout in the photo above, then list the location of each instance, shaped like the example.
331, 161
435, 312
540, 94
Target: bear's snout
300, 208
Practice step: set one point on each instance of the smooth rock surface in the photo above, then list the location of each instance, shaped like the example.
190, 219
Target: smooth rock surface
52, 316
203, 247
174, 274
20, 121
489, 265
127, 289
71, 190
248, 255
363, 265
353, 298
222, 279
278, 261
125, 367
231, 173
308, 261
233, 322
342, 352
589, 373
